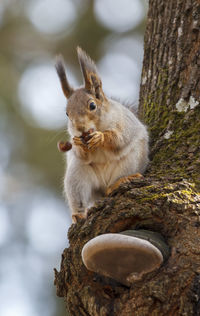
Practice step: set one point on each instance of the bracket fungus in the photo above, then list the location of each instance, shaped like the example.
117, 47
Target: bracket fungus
127, 256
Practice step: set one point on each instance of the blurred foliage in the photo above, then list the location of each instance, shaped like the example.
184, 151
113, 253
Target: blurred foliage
20, 45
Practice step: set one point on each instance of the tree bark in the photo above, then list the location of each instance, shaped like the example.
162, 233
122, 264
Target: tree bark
167, 199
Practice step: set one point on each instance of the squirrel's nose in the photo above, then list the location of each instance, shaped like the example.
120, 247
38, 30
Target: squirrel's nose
81, 128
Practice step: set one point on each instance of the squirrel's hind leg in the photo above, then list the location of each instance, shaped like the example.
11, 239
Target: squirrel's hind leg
126, 179
78, 217
79, 184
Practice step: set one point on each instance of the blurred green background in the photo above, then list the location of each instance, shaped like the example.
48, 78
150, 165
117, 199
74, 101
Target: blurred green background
34, 218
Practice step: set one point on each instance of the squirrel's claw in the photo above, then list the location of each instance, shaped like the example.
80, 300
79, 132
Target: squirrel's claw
79, 142
96, 139
78, 217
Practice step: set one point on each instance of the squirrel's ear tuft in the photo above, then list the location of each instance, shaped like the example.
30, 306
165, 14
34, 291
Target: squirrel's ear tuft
86, 63
91, 78
67, 89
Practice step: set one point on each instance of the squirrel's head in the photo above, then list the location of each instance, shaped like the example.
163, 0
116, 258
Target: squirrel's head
87, 105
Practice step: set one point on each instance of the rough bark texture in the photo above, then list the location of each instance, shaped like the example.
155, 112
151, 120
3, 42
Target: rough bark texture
170, 87
167, 199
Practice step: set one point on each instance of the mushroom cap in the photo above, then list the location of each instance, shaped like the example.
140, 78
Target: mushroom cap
121, 257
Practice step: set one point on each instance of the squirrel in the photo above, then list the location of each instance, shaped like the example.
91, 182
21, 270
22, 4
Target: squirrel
109, 143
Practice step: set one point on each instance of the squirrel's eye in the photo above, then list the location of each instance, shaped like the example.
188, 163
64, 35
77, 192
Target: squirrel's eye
67, 114
92, 106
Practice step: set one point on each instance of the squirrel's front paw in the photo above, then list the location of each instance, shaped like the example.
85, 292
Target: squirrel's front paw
96, 139
78, 141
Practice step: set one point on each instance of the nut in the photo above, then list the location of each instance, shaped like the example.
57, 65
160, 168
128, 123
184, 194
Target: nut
64, 146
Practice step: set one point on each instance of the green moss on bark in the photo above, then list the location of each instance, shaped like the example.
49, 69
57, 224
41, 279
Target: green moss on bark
175, 141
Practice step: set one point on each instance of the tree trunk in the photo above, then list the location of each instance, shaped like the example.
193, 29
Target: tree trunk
167, 199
